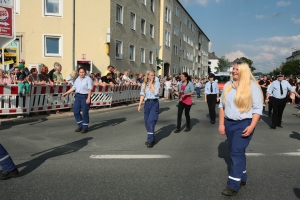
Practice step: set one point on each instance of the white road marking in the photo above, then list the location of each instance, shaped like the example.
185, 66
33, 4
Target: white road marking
255, 154
290, 154
128, 156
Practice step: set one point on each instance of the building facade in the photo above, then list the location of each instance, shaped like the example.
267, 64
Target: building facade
295, 56
214, 60
126, 34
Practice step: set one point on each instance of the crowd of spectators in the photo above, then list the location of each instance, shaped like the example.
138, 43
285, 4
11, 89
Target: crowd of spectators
23, 77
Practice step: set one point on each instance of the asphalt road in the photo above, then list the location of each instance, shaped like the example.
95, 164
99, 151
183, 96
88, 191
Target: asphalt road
55, 162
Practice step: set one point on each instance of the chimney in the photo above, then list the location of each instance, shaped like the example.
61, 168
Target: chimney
213, 53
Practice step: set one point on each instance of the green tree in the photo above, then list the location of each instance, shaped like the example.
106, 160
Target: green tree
222, 64
250, 62
291, 68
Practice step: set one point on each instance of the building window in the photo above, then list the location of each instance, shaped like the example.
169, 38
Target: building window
17, 7
168, 15
176, 11
151, 57
144, 2
176, 30
143, 26
180, 43
52, 45
167, 38
142, 55
185, 20
175, 50
132, 20
119, 49
132, 53
119, 14
151, 31
52, 7
152, 5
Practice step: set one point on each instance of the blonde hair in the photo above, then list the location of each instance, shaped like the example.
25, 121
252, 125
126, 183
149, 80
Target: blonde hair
243, 96
73, 74
146, 79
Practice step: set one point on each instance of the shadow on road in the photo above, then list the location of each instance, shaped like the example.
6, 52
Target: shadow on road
32, 165
224, 153
163, 110
297, 192
111, 122
164, 132
265, 118
295, 135
208, 116
194, 121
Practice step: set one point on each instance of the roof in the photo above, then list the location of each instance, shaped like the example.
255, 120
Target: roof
212, 56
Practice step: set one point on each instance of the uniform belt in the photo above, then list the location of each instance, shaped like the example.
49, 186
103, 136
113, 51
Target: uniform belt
81, 94
151, 100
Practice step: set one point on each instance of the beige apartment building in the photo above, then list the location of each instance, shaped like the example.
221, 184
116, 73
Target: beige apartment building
97, 33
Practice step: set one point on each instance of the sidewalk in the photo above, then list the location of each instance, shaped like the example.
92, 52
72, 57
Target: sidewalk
65, 114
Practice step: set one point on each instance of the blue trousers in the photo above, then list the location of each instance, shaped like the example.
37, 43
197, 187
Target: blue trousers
80, 104
151, 110
5, 161
237, 145
198, 90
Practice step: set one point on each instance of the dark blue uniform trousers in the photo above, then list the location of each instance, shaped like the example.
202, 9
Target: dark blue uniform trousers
5, 161
80, 104
237, 145
198, 90
151, 110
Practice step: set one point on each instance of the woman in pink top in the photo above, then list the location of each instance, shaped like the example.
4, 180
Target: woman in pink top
5, 80
185, 90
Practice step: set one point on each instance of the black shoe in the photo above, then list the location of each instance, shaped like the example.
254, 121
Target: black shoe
84, 131
242, 183
78, 129
8, 175
176, 130
212, 122
177, 105
279, 126
228, 191
273, 127
146, 143
149, 144
187, 129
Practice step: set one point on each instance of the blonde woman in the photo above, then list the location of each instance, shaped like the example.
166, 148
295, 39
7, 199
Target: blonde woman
57, 76
72, 77
240, 106
149, 93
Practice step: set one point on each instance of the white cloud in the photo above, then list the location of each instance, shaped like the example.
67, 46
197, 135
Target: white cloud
190, 2
200, 2
296, 21
269, 53
263, 57
259, 16
267, 16
283, 3
234, 55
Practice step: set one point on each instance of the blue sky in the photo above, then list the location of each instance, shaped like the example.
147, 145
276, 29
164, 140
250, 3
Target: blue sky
264, 31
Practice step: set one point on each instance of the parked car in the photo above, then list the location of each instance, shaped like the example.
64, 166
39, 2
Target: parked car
222, 78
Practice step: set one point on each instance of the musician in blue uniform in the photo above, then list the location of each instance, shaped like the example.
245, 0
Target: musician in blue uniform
211, 97
83, 86
240, 108
9, 169
150, 94
278, 90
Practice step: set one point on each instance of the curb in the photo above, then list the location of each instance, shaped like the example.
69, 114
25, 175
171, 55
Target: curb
61, 116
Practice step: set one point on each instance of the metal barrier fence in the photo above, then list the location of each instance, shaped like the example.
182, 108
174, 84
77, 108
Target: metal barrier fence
46, 98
